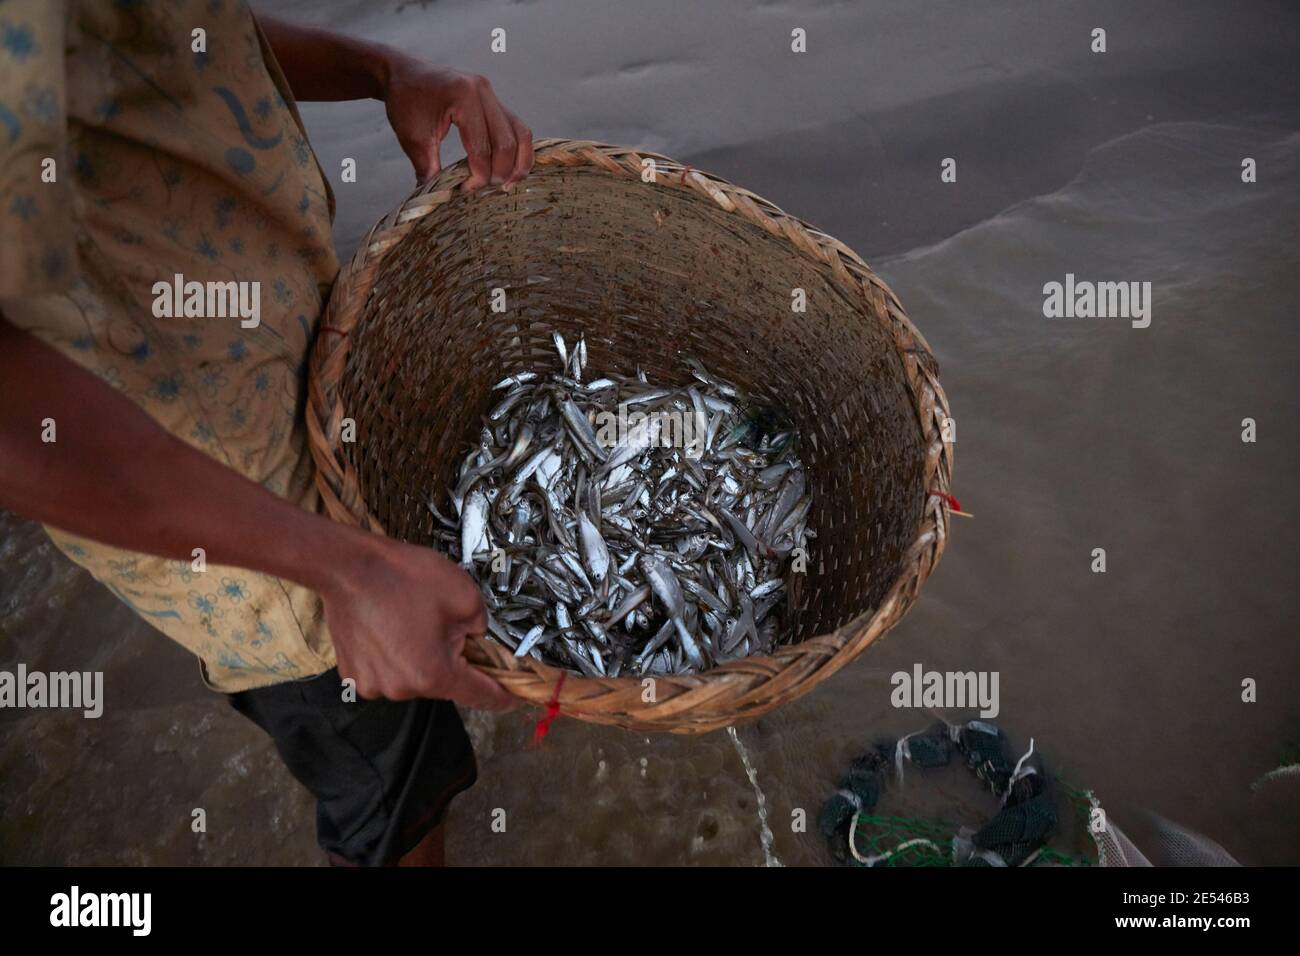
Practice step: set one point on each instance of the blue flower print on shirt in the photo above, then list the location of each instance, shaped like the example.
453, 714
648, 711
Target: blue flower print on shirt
24, 207
41, 103
17, 40
166, 389
233, 589
183, 570
127, 569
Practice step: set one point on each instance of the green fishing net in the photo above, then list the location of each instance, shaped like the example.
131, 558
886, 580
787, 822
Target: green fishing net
1018, 835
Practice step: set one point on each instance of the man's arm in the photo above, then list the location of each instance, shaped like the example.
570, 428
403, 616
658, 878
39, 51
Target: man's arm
398, 614
423, 101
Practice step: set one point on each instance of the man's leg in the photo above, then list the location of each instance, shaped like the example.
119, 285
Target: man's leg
382, 772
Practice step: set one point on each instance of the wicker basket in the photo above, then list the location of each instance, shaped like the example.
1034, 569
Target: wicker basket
650, 272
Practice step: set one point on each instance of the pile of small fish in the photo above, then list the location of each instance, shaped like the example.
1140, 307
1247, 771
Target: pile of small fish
617, 527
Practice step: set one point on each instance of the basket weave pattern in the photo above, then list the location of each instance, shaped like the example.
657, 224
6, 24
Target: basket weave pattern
687, 265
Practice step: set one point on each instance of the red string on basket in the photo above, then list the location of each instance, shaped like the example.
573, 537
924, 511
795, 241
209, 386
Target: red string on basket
953, 503
334, 329
543, 726
684, 172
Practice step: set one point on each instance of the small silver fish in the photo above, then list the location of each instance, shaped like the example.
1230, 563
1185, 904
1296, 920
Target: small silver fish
697, 506
473, 527
594, 552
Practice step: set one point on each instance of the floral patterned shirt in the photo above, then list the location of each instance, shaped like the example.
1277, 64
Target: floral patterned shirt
138, 141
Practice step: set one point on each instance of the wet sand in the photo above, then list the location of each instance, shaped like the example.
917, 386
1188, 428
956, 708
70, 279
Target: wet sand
1073, 434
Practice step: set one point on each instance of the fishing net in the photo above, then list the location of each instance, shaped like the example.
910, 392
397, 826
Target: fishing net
1043, 821
1019, 834
901, 841
452, 292
1115, 849
1175, 845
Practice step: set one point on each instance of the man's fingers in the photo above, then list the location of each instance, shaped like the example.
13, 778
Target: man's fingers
523, 152
464, 601
476, 625
427, 159
504, 144
473, 688
475, 138
433, 150
423, 145
364, 686
347, 671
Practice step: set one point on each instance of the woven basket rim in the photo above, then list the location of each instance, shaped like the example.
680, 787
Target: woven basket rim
730, 693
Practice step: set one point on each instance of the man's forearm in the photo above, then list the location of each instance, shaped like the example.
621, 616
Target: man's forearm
422, 101
114, 475
325, 66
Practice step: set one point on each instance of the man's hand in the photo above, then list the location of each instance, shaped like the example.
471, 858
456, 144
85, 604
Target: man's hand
424, 101
398, 614
399, 620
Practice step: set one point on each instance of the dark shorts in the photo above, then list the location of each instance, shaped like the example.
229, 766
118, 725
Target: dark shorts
382, 772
